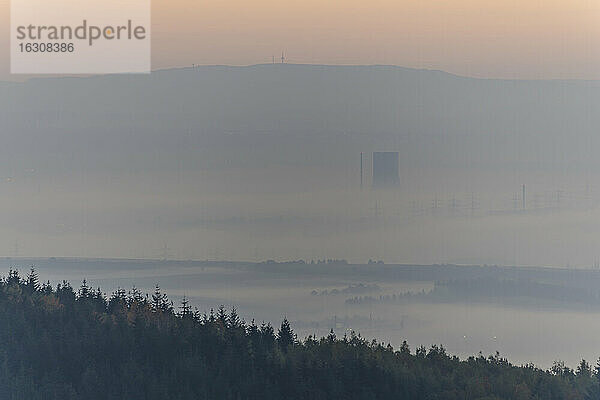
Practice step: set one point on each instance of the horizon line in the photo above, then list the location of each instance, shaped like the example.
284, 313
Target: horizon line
27, 78
297, 261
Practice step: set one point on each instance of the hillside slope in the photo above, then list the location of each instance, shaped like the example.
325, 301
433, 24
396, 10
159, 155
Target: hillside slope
58, 343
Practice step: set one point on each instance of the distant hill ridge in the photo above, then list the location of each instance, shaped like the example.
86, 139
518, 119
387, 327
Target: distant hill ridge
300, 115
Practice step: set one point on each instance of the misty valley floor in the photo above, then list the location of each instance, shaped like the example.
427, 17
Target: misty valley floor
534, 315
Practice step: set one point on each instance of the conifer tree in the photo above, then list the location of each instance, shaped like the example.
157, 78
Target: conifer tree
32, 281
185, 308
285, 334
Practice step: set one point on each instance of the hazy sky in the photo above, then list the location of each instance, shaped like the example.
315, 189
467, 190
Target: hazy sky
484, 38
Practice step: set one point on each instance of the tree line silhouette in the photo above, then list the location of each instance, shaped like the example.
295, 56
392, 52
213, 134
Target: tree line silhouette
62, 343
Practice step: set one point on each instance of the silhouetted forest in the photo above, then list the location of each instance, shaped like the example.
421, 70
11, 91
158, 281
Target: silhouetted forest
496, 291
65, 343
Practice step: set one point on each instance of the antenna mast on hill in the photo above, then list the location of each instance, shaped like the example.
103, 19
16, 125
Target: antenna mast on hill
361, 170
165, 252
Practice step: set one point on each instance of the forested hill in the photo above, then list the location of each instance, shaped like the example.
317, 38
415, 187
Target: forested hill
65, 343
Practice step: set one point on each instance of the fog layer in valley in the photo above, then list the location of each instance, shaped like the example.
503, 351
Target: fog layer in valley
253, 163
